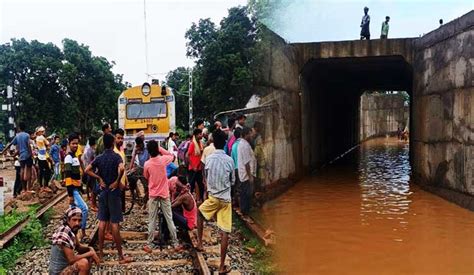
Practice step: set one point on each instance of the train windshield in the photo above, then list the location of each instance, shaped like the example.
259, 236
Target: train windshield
146, 110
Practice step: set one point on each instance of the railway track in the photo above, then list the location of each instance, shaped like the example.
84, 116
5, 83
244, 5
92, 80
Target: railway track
165, 260
133, 231
8, 235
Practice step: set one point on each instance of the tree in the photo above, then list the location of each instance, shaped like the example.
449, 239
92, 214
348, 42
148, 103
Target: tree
223, 72
178, 80
69, 90
91, 87
33, 69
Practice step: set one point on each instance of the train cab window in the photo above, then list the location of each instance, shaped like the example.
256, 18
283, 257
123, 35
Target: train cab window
146, 110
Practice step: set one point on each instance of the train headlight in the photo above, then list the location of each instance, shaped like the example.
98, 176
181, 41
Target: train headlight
154, 128
146, 89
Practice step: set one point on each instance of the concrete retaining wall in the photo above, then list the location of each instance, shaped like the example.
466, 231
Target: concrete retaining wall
279, 84
443, 106
382, 114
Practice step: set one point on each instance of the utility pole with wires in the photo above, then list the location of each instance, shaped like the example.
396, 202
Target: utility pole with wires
146, 41
190, 100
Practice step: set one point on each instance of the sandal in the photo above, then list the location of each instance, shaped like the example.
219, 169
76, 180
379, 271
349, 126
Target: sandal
227, 269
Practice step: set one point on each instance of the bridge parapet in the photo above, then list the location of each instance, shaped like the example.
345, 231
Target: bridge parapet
356, 48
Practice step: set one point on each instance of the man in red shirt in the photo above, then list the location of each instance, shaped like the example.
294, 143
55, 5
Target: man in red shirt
159, 192
195, 167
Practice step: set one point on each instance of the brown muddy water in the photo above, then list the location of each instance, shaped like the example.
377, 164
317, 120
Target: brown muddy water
363, 215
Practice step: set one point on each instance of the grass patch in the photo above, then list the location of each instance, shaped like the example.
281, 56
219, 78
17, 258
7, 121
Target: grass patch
263, 257
31, 236
12, 218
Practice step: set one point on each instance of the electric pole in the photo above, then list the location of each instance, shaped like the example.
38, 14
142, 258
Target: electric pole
190, 100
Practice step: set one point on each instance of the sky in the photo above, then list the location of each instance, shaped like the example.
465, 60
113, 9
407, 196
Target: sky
115, 28
331, 20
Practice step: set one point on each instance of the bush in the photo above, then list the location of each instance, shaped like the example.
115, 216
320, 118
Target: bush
31, 236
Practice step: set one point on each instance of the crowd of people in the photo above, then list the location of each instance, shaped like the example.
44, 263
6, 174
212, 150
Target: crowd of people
185, 182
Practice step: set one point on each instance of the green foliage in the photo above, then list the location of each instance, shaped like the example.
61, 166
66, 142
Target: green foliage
47, 216
224, 71
91, 87
31, 236
64, 90
178, 79
182, 133
9, 220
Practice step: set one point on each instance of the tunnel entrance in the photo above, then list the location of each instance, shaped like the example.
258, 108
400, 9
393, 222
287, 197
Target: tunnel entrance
332, 88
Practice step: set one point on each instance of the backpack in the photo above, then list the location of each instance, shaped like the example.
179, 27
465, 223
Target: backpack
182, 150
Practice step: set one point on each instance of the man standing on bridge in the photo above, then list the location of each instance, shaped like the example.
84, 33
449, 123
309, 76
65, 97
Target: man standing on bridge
384, 32
365, 32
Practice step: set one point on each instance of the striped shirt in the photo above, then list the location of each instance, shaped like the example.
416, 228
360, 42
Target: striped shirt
64, 236
72, 170
220, 175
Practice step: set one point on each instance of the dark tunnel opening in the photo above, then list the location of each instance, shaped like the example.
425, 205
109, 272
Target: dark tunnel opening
331, 97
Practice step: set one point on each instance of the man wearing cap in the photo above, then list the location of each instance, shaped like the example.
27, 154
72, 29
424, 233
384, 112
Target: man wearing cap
63, 260
42, 143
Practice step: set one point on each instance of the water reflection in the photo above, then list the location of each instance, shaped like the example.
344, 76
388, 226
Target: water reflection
384, 173
364, 216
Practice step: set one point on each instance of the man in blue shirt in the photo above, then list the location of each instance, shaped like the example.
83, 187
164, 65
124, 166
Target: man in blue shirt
22, 143
108, 169
234, 155
54, 153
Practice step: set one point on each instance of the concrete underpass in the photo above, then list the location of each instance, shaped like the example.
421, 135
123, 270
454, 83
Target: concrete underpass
331, 90
317, 88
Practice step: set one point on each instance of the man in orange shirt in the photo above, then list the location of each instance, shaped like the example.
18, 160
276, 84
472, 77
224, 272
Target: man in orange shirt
159, 192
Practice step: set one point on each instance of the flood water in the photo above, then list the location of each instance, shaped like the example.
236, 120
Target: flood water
363, 215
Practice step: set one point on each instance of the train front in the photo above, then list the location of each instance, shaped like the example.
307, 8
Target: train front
149, 108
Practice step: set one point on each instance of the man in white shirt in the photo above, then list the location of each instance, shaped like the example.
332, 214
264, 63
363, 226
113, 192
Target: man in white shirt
172, 148
247, 170
208, 150
42, 143
240, 121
